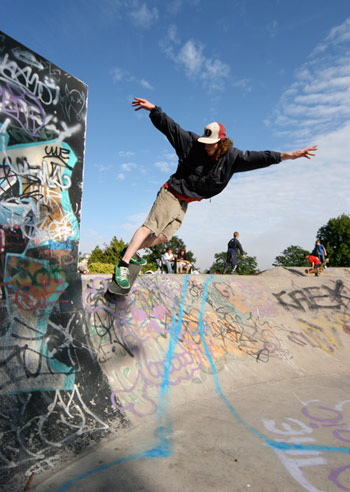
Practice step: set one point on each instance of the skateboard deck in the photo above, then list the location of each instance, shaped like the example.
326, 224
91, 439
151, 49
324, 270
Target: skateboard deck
114, 292
317, 271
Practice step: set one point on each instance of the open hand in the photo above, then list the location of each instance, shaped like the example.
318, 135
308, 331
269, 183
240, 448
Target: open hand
308, 153
139, 103
305, 152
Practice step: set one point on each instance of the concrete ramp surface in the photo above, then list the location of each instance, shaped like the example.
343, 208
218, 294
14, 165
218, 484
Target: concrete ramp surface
223, 383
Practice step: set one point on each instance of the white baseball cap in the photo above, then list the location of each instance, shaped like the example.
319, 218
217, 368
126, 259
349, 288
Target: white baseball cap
213, 133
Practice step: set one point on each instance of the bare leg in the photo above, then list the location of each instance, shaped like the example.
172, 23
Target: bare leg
143, 238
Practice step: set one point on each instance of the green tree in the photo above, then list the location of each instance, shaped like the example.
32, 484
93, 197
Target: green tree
96, 255
245, 266
335, 236
109, 254
291, 256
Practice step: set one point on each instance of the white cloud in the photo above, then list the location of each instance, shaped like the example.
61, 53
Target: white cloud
112, 8
320, 93
170, 156
244, 84
191, 57
89, 239
128, 166
321, 111
125, 153
140, 14
128, 169
164, 166
215, 73
121, 75
134, 222
337, 98
272, 28
102, 167
143, 16
173, 34
338, 35
146, 85
174, 7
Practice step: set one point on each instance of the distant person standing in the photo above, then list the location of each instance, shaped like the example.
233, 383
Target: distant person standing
321, 252
231, 257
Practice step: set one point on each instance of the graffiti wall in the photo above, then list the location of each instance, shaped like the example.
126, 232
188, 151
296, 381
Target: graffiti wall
176, 340
46, 407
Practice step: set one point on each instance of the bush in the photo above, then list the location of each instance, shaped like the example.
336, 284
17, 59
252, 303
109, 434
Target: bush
98, 267
150, 266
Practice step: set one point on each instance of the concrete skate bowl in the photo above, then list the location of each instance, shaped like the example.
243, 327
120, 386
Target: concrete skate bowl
225, 383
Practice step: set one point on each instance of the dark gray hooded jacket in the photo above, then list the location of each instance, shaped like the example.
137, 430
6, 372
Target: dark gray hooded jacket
197, 176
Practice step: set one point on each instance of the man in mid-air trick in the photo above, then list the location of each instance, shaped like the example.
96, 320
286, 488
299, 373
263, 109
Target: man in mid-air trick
206, 165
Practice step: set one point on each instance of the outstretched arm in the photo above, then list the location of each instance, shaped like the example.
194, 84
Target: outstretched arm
308, 152
139, 103
180, 139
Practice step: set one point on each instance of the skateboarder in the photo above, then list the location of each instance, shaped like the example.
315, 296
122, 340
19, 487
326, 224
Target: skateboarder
231, 257
206, 165
315, 262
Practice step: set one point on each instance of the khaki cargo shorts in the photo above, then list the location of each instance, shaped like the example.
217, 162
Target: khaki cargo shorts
166, 215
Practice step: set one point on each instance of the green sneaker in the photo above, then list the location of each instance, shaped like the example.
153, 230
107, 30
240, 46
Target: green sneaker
121, 277
136, 259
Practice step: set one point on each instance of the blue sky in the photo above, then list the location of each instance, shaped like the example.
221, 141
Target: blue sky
276, 73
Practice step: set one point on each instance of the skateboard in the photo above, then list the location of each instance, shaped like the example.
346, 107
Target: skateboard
317, 271
114, 292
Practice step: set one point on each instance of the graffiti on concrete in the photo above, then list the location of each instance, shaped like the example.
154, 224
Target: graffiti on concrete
123, 335
325, 297
318, 423
148, 331
328, 314
47, 358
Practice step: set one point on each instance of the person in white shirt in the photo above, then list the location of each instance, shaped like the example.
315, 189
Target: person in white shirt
168, 259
